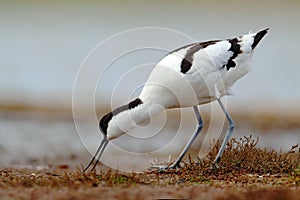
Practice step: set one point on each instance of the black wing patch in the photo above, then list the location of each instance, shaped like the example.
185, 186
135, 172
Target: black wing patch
103, 124
187, 61
236, 49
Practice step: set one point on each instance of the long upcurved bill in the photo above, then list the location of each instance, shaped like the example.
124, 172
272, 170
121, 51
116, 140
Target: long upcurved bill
100, 149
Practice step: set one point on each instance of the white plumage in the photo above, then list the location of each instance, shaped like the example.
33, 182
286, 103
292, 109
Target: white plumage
187, 77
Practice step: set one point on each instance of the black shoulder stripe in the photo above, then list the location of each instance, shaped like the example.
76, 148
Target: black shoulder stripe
180, 48
103, 124
208, 43
236, 49
185, 65
187, 61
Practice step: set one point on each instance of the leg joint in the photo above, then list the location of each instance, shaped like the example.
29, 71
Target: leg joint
231, 125
200, 124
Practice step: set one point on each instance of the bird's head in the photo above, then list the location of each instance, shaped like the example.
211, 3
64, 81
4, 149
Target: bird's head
103, 123
117, 122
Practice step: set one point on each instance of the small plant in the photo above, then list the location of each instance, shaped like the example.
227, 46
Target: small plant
243, 155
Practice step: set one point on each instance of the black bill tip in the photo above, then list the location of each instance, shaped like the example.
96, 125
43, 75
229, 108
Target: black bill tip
259, 36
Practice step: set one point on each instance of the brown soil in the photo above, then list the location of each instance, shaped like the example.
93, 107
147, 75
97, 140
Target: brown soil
245, 172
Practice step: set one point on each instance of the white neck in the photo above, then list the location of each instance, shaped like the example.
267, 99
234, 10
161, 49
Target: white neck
128, 119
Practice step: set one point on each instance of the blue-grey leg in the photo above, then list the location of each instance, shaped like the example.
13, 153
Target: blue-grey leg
176, 164
228, 134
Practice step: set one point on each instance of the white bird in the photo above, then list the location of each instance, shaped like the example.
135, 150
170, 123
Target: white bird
192, 75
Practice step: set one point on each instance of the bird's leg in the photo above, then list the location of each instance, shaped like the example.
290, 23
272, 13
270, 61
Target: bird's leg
100, 149
228, 134
176, 164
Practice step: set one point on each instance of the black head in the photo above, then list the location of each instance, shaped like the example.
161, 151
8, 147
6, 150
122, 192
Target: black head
103, 124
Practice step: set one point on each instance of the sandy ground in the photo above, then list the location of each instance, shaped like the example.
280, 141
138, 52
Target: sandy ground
144, 192
66, 184
245, 172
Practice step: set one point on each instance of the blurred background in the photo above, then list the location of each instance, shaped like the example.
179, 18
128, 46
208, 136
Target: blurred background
43, 44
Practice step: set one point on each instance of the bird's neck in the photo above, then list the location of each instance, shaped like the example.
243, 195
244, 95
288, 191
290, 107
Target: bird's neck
130, 115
